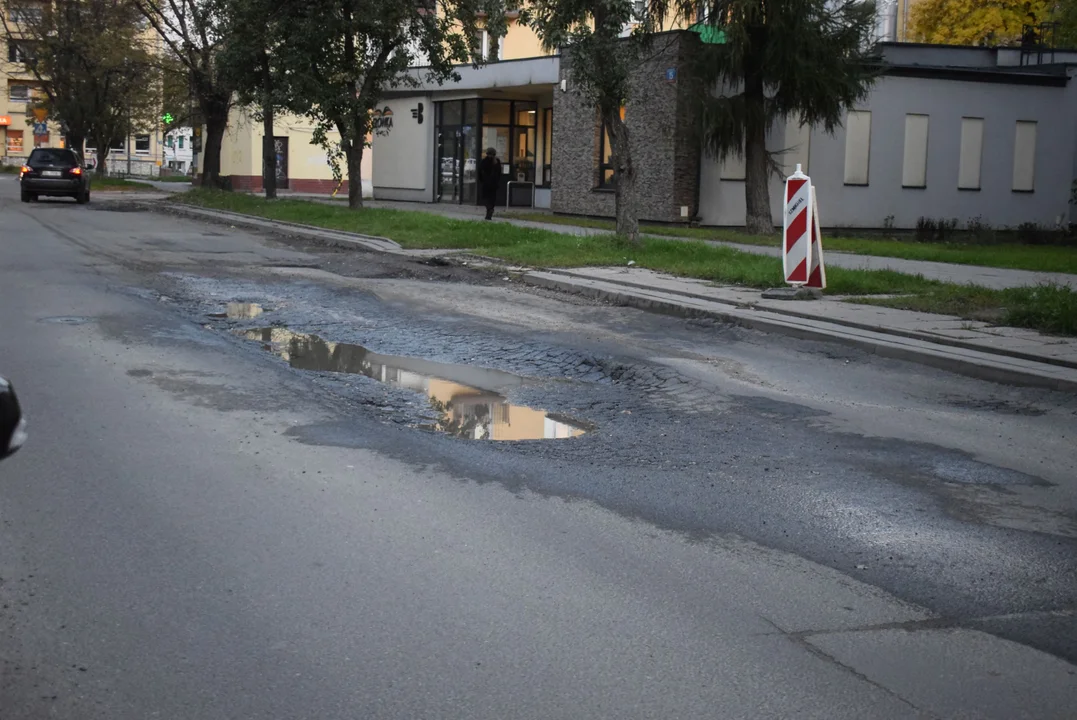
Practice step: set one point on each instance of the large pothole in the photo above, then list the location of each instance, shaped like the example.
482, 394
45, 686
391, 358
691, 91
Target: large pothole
468, 401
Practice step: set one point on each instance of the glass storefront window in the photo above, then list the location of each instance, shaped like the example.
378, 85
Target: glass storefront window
451, 112
471, 112
525, 116
496, 112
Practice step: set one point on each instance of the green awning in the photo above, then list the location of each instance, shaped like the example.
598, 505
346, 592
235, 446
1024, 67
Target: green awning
709, 33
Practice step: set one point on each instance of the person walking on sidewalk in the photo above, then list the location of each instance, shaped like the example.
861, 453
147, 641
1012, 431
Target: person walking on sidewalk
489, 177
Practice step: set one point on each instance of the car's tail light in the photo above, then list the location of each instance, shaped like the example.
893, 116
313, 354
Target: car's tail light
76, 171
26, 170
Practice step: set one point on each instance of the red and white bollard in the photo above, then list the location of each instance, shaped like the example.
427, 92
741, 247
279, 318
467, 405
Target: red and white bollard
802, 242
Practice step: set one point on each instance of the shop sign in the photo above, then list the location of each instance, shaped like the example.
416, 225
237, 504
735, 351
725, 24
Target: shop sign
382, 119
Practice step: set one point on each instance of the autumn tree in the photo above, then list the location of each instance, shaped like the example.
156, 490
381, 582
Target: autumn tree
193, 33
340, 56
600, 57
976, 22
95, 70
768, 62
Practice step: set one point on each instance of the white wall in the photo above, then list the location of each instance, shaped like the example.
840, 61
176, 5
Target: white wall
945, 102
404, 154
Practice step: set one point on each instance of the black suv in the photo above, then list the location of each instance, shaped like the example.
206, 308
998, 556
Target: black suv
54, 172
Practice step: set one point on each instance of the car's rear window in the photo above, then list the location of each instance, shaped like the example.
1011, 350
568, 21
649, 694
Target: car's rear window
48, 156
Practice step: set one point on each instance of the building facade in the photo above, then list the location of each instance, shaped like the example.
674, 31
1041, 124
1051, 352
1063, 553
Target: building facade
24, 124
179, 151
978, 134
302, 166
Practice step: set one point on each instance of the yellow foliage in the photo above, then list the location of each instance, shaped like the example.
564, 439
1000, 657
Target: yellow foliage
975, 22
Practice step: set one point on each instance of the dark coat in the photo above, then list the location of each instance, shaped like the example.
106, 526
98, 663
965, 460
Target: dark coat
489, 173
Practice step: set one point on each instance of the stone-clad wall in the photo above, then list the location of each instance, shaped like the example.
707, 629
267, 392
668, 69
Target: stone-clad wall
664, 151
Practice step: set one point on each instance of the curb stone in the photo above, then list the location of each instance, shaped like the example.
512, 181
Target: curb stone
971, 363
795, 312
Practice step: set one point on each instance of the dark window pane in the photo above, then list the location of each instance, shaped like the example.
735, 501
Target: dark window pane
452, 112
471, 112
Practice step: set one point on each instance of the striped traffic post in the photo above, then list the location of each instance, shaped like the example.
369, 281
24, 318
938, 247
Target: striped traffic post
816, 268
802, 249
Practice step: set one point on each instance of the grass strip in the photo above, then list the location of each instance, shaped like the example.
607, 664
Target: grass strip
1038, 258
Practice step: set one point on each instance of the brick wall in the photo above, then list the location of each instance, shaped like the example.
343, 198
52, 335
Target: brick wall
664, 149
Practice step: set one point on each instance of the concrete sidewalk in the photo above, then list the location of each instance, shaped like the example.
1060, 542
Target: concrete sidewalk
988, 277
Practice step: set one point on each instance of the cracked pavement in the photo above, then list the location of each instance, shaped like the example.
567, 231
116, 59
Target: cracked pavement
751, 527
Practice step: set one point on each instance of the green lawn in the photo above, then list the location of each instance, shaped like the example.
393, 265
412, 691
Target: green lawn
1008, 255
10, 169
174, 178
111, 183
1053, 311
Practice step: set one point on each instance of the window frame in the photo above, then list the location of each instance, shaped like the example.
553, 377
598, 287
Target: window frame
910, 161
16, 99
851, 170
149, 144
1014, 183
967, 122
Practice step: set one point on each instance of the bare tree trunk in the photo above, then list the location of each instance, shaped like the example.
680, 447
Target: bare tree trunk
216, 122
758, 220
102, 145
626, 200
353, 151
269, 150
76, 142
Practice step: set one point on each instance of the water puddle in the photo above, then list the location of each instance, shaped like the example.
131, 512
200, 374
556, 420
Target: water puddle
239, 311
466, 398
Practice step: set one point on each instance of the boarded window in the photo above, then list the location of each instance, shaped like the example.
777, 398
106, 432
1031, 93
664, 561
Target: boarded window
1024, 157
972, 150
857, 147
914, 165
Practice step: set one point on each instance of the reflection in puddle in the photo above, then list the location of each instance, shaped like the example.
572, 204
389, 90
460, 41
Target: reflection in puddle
240, 311
464, 397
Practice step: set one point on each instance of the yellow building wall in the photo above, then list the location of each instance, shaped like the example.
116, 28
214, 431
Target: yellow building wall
521, 42
241, 148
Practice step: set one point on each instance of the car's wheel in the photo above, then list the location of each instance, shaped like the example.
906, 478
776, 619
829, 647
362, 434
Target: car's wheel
26, 197
83, 198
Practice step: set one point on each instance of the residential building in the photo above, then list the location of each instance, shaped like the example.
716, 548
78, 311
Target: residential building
179, 150
21, 93
25, 125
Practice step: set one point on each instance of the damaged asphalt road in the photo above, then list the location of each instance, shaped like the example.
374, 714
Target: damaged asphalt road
270, 470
